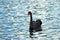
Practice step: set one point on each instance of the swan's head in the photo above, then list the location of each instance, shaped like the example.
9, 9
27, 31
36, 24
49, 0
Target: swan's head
29, 13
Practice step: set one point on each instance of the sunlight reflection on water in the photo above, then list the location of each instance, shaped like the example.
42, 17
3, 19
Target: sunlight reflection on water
14, 22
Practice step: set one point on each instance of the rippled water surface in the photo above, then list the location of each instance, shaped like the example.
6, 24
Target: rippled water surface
14, 21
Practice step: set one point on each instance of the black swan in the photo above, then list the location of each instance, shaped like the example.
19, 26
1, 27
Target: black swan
35, 26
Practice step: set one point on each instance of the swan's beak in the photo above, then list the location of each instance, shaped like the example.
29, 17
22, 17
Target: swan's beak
28, 14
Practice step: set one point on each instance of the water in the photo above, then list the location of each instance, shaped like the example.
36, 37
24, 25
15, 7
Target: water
14, 21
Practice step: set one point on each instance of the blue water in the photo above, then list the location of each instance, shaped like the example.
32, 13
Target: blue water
14, 21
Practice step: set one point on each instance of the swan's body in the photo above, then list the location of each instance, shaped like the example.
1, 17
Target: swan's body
35, 26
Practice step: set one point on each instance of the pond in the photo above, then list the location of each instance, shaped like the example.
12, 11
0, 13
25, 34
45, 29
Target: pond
14, 21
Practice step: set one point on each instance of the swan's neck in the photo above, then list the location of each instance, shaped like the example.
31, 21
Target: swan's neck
31, 19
